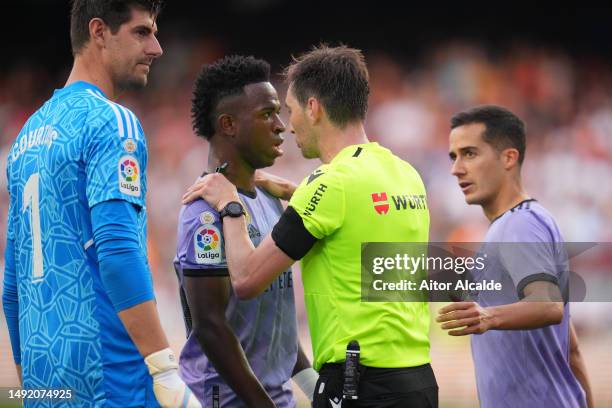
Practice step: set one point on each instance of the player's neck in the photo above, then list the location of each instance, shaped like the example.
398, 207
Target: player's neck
334, 139
238, 172
509, 196
85, 68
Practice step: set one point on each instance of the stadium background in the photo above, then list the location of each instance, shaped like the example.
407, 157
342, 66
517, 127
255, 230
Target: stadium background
550, 66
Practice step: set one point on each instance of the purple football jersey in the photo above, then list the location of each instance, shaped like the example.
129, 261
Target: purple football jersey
524, 368
265, 326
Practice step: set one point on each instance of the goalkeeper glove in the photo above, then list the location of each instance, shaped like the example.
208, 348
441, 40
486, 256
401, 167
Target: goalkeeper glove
170, 390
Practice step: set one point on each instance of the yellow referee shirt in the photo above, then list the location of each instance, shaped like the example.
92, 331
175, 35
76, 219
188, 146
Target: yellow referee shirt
366, 194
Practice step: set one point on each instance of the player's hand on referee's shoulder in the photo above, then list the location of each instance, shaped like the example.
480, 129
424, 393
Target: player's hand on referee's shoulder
464, 318
214, 188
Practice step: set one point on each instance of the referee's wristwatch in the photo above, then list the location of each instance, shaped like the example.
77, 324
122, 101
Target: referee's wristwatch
233, 209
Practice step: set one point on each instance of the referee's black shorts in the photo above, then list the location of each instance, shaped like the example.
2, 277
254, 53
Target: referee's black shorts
413, 387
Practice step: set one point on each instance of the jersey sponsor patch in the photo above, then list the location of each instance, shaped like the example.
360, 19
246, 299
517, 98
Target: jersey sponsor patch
314, 200
129, 145
207, 245
381, 203
400, 202
207, 217
129, 176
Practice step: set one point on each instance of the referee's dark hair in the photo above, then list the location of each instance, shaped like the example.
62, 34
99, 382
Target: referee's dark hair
503, 129
337, 77
226, 77
114, 13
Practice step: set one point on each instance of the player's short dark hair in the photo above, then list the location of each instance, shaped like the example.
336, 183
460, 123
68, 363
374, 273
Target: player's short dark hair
503, 129
337, 76
113, 12
226, 77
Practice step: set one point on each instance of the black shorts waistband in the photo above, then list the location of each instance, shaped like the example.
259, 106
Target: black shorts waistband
331, 367
389, 381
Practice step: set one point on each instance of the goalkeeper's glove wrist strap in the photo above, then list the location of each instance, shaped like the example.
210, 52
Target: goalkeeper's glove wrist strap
161, 361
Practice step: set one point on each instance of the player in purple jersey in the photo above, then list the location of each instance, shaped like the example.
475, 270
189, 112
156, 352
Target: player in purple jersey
524, 346
238, 353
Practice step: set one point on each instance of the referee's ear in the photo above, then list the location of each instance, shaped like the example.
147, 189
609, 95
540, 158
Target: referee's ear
314, 110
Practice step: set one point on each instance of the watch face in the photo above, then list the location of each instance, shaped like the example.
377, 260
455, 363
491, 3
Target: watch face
234, 208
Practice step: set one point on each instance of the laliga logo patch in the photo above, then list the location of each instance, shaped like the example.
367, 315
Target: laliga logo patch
207, 245
129, 176
381, 203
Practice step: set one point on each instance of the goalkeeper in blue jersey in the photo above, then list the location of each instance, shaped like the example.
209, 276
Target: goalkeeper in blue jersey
78, 293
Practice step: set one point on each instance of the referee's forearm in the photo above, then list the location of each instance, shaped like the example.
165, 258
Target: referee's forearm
251, 269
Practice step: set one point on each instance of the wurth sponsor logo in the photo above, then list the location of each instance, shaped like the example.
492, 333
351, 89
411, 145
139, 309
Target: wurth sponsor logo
315, 199
409, 201
381, 203
400, 202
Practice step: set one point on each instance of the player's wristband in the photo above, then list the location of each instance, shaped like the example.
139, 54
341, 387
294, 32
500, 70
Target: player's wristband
160, 361
307, 381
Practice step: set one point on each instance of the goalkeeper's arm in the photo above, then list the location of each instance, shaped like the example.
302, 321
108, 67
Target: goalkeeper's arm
127, 281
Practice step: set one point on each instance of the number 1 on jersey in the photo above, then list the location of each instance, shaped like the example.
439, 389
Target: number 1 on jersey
31, 196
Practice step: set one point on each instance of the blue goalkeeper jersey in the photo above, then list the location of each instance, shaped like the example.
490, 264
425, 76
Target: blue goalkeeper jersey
79, 149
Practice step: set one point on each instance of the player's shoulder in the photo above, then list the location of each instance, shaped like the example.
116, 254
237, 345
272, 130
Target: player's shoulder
262, 194
367, 160
324, 177
199, 210
102, 113
529, 220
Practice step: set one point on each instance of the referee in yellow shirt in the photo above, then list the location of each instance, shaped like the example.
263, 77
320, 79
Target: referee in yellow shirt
355, 196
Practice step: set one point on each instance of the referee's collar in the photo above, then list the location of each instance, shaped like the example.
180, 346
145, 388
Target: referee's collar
354, 150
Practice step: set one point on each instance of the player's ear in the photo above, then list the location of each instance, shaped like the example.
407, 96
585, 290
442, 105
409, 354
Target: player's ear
226, 124
510, 158
97, 30
314, 110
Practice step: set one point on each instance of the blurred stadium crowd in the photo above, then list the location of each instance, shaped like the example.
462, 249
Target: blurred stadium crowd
566, 103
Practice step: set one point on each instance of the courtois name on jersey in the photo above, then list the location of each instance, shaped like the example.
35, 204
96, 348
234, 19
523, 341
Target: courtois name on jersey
77, 150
